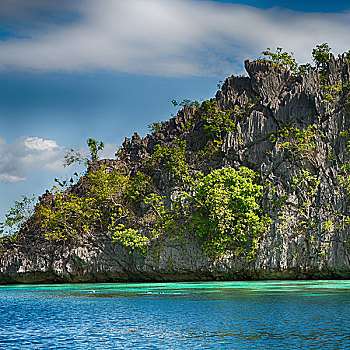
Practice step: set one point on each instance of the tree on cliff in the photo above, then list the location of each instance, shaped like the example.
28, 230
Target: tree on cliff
76, 157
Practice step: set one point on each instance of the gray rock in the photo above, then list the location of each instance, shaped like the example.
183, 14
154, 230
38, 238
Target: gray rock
287, 250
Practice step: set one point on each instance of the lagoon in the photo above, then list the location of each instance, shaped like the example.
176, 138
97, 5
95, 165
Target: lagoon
209, 315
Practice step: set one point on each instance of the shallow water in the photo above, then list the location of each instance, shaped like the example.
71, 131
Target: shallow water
211, 315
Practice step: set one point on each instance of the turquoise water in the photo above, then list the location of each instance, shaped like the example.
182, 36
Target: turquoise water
212, 315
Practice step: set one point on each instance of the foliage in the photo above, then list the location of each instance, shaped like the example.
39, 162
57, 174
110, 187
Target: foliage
210, 148
110, 198
299, 142
130, 237
328, 226
137, 233
344, 177
321, 55
95, 147
223, 209
304, 68
135, 213
218, 122
172, 158
347, 55
76, 157
272, 138
188, 124
185, 102
17, 217
304, 185
120, 154
331, 91
163, 220
345, 134
282, 59
69, 215
306, 180
155, 127
64, 184
226, 211
110, 204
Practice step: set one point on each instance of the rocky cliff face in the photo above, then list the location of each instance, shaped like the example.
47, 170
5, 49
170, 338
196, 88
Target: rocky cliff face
292, 130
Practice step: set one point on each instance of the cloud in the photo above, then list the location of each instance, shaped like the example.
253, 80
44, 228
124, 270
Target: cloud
164, 37
34, 153
11, 178
36, 143
27, 154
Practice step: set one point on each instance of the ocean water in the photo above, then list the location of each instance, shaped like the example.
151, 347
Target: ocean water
211, 315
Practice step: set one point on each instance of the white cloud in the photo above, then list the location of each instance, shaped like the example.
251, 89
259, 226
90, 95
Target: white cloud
27, 154
34, 153
167, 37
36, 143
11, 178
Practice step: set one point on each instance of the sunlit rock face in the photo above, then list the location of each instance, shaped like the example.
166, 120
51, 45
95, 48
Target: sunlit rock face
309, 233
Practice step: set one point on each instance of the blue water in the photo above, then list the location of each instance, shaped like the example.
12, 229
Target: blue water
212, 315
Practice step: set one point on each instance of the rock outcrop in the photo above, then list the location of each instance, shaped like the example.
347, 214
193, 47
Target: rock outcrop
309, 233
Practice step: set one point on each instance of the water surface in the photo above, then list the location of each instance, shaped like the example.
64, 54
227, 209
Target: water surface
211, 315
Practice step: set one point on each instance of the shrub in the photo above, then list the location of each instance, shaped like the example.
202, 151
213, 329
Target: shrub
218, 122
321, 55
17, 217
282, 59
227, 214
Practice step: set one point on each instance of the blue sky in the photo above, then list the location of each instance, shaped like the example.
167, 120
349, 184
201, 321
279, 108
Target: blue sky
70, 70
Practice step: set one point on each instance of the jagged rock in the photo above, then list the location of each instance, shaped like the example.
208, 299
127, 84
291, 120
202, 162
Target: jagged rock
279, 98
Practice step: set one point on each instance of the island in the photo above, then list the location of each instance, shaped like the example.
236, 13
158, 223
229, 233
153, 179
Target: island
251, 184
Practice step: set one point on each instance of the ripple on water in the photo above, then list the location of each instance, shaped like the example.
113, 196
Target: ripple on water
212, 315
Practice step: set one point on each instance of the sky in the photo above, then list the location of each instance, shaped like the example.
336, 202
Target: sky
71, 70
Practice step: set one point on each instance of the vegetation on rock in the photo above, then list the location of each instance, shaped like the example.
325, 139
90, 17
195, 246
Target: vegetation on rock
76, 157
175, 190
226, 211
16, 219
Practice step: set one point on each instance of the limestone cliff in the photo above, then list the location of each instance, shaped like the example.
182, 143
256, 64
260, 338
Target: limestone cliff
309, 233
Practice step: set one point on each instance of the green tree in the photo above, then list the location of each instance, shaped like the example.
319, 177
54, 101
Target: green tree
282, 59
74, 156
95, 147
218, 122
17, 217
321, 55
155, 127
185, 102
171, 159
227, 214
108, 200
111, 203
